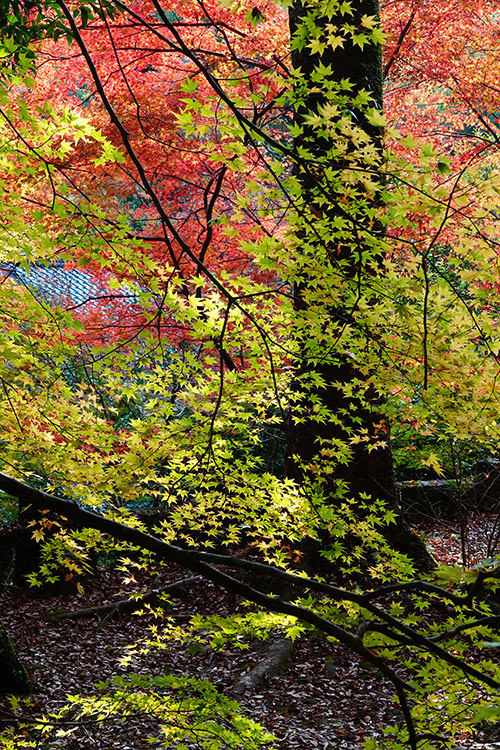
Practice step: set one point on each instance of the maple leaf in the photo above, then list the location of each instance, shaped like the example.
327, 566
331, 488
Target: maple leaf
432, 461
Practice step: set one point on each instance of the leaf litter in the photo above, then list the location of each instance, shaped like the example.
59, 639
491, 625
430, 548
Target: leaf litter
327, 699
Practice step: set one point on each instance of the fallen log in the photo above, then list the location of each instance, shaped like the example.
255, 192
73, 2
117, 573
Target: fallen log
275, 661
442, 498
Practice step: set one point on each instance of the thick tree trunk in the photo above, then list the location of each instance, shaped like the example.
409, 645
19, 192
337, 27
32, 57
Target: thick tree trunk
353, 409
27, 550
13, 676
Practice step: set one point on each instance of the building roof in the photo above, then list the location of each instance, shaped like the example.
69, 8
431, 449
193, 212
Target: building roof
69, 287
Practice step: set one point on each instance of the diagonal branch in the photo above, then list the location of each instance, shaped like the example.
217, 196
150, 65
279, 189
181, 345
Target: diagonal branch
200, 562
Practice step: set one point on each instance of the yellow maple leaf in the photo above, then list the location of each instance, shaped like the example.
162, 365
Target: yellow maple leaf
433, 463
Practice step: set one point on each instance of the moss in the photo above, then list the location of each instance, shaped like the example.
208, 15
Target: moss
13, 676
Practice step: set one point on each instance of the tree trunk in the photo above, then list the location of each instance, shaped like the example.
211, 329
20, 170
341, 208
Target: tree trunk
333, 208
13, 676
27, 550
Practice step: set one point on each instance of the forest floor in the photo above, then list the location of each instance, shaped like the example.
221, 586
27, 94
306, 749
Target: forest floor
326, 699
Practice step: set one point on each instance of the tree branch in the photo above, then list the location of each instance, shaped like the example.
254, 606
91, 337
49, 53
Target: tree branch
198, 562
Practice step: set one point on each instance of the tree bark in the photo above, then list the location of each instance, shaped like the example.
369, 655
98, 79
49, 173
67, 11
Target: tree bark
13, 676
278, 656
352, 408
27, 550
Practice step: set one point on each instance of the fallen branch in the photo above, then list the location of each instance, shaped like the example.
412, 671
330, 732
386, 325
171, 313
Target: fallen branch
121, 605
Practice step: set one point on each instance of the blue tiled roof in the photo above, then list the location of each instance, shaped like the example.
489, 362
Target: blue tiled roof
57, 284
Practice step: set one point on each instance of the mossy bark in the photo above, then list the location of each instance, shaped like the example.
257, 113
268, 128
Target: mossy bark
13, 676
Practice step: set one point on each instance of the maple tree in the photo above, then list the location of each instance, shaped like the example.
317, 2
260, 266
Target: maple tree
438, 64
352, 429
170, 165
